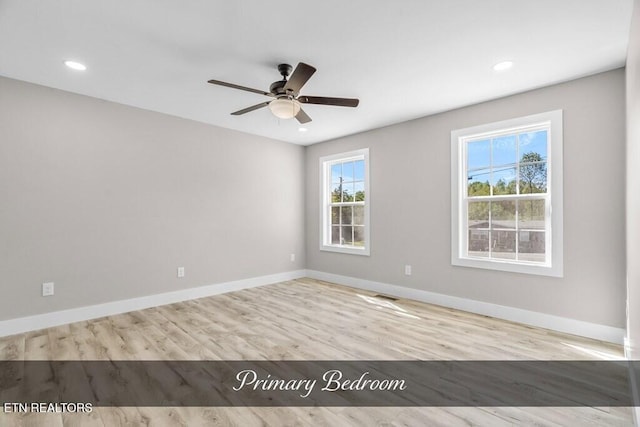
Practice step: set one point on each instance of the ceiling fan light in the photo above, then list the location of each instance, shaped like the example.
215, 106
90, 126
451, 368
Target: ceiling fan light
284, 108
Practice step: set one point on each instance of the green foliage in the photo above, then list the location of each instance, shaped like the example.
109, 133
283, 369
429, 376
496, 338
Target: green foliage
478, 188
502, 187
479, 212
533, 173
528, 210
533, 179
346, 197
503, 210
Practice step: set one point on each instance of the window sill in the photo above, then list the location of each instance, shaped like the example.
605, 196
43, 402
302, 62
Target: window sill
345, 249
506, 265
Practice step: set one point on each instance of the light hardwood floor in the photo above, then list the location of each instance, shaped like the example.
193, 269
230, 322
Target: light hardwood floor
301, 320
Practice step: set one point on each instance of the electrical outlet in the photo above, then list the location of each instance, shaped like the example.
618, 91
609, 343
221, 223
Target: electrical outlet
407, 270
293, 257
180, 272
47, 289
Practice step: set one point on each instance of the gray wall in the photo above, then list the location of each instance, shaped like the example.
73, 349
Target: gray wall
633, 184
107, 200
410, 210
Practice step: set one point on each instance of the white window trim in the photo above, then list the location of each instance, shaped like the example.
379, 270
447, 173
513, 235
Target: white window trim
325, 214
554, 176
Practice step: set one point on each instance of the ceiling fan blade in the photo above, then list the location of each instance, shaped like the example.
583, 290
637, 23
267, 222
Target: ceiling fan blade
249, 109
301, 74
323, 100
234, 86
302, 117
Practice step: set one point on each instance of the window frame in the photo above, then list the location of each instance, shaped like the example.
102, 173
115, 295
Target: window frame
325, 205
554, 205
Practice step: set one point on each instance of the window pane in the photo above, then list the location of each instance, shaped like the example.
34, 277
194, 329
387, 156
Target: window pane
531, 214
336, 173
503, 150
503, 180
335, 235
358, 169
478, 154
335, 215
358, 236
478, 214
479, 243
336, 194
478, 183
503, 215
347, 235
533, 142
358, 187
533, 176
347, 212
531, 246
347, 192
358, 215
347, 171
503, 244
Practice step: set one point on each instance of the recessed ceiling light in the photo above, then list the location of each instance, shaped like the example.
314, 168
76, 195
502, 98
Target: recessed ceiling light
75, 65
501, 66
302, 129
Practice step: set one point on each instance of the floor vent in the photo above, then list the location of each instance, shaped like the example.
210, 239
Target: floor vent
386, 297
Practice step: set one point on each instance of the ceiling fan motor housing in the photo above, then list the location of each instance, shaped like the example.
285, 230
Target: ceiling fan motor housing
277, 88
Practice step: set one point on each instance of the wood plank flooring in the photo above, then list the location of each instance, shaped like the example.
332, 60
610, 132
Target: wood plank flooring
302, 320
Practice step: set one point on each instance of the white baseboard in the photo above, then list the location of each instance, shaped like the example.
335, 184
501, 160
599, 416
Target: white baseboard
562, 324
533, 318
627, 348
56, 318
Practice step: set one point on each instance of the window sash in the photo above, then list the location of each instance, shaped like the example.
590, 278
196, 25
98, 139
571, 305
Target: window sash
465, 229
515, 131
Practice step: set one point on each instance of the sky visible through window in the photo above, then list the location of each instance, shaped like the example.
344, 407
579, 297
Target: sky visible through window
349, 171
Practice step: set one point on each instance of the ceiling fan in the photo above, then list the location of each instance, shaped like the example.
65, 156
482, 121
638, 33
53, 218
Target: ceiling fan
286, 102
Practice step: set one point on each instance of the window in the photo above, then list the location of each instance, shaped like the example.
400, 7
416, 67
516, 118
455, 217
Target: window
344, 192
507, 195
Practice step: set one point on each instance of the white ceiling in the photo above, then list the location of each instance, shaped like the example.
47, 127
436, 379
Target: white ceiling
403, 59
